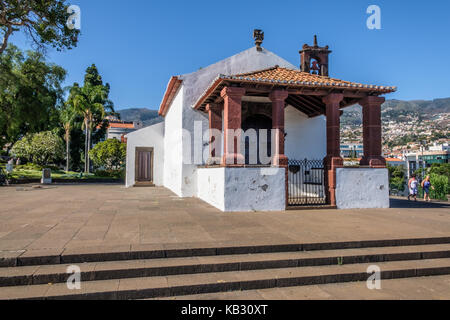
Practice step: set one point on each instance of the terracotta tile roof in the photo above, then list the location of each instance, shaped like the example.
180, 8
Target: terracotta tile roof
171, 91
289, 76
121, 125
394, 160
292, 78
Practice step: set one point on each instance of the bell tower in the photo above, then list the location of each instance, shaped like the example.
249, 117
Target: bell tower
314, 59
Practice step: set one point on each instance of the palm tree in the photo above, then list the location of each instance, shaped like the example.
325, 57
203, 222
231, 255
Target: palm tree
67, 117
91, 102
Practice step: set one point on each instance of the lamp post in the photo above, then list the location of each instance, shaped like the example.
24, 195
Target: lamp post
422, 147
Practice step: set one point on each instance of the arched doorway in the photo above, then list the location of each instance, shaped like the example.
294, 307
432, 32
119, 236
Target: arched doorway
257, 122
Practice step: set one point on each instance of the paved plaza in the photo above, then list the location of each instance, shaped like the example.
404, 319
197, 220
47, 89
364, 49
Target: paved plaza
51, 219
76, 221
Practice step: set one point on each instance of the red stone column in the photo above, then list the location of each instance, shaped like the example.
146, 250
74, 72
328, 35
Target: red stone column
372, 132
232, 117
333, 160
279, 159
215, 123
278, 97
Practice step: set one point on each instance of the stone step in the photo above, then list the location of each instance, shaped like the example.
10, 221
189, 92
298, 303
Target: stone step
418, 288
82, 255
317, 207
95, 271
188, 284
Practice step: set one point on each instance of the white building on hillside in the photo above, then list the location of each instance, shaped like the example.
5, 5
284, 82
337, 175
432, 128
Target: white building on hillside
119, 129
440, 147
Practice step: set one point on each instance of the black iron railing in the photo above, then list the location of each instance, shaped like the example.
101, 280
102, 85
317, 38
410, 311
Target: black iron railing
306, 183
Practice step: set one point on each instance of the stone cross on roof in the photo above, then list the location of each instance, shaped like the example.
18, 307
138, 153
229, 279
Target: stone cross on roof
258, 35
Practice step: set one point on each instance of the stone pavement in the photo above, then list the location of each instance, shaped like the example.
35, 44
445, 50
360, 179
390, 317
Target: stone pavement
105, 223
40, 221
426, 288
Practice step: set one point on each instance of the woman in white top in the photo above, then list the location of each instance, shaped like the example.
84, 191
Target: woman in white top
413, 186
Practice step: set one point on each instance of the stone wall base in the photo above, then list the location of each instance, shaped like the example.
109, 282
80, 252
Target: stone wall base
362, 188
243, 189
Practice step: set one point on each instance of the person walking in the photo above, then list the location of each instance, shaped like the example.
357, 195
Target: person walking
426, 186
413, 186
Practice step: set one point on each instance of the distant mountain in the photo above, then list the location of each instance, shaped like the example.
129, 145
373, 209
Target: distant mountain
398, 110
146, 116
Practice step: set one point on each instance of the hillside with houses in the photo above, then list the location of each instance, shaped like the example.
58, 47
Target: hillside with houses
407, 125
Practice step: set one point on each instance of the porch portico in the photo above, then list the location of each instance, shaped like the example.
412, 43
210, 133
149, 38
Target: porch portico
311, 94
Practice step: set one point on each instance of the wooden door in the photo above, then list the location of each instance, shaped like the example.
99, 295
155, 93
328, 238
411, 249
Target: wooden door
144, 165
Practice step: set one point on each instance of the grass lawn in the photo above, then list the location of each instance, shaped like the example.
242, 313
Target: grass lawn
28, 172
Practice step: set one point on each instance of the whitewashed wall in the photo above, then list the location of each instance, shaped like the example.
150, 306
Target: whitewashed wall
243, 189
362, 188
173, 155
180, 171
196, 123
306, 137
194, 85
150, 137
211, 186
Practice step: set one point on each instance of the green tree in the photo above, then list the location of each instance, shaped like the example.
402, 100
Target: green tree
441, 169
92, 103
441, 186
76, 147
22, 148
439, 178
110, 154
43, 21
30, 94
397, 178
42, 148
68, 117
397, 171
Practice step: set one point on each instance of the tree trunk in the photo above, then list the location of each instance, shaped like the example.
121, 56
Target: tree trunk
4, 43
89, 149
85, 149
67, 151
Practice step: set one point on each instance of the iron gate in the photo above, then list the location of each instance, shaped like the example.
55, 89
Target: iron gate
306, 183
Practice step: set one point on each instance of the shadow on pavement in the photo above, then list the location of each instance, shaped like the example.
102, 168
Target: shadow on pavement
404, 203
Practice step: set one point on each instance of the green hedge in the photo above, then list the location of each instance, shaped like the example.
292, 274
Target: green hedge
116, 174
441, 187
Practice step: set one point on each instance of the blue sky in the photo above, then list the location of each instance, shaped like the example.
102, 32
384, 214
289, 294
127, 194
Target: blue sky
139, 44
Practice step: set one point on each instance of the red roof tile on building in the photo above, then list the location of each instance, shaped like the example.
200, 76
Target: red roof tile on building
171, 91
393, 160
121, 125
293, 79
